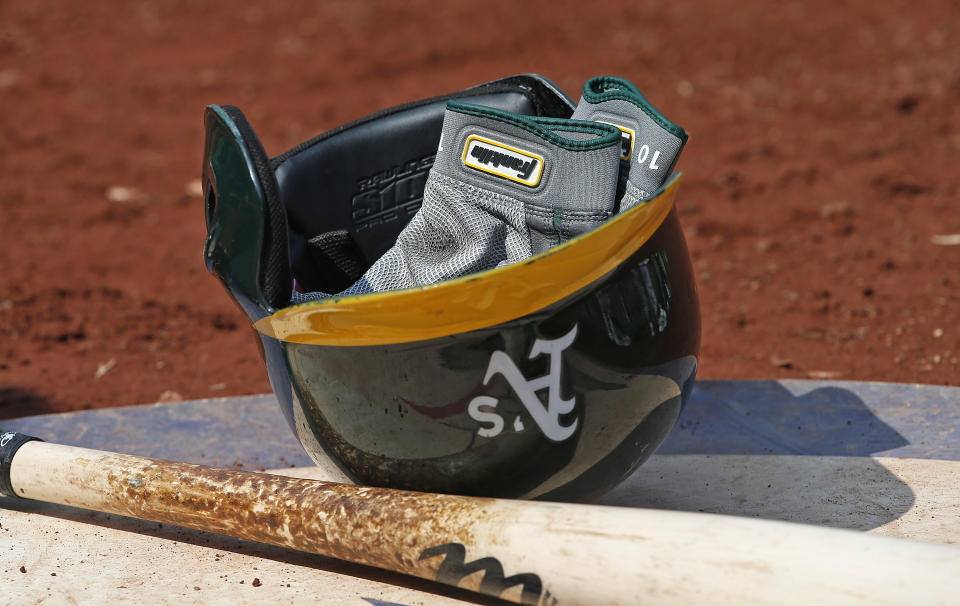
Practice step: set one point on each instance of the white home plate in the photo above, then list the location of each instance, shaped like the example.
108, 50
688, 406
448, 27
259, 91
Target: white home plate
877, 458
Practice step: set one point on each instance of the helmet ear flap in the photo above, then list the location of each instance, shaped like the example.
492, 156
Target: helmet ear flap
246, 246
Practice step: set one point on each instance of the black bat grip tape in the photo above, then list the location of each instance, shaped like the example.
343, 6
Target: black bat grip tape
10, 443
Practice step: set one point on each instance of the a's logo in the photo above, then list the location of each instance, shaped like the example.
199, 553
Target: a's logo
6, 438
503, 160
482, 408
627, 137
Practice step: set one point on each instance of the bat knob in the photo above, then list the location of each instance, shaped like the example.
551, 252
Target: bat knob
10, 443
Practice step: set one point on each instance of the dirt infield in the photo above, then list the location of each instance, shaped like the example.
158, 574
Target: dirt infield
821, 200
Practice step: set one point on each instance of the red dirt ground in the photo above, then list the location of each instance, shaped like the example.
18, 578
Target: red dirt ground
821, 169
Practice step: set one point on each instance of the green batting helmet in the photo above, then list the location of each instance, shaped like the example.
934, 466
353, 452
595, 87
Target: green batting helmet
552, 378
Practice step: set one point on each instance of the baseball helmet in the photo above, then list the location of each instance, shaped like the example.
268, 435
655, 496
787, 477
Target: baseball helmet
552, 378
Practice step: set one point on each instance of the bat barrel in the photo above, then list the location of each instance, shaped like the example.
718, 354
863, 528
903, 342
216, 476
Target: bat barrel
415, 533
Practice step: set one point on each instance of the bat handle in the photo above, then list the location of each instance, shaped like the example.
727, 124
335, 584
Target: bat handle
10, 443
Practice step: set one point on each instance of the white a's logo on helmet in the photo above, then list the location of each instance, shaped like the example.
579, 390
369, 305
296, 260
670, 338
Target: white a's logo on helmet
547, 417
503, 160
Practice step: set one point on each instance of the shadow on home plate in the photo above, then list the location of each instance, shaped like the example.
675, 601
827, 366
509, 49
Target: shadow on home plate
816, 440
767, 418
858, 493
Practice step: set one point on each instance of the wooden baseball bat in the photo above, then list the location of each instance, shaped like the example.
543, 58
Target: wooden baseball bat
548, 554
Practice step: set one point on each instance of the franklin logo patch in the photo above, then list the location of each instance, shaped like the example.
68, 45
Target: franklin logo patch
502, 160
627, 136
